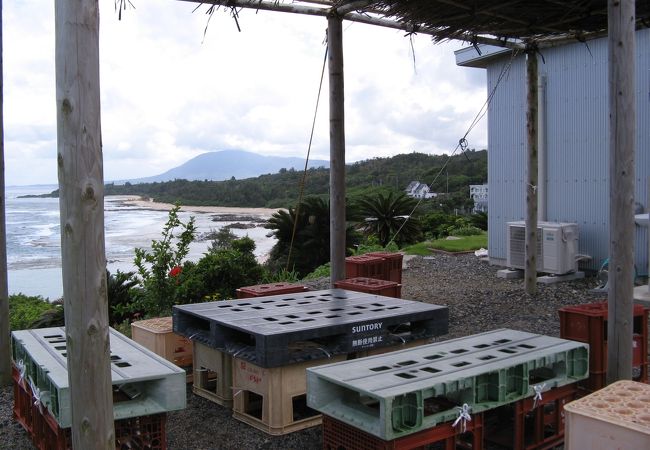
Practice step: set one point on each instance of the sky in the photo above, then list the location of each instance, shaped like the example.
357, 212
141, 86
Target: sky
172, 89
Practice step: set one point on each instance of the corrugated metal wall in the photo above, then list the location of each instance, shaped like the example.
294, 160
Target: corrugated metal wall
577, 145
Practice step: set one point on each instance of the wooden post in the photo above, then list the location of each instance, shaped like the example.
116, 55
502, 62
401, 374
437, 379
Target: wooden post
530, 273
622, 137
5, 341
81, 201
337, 149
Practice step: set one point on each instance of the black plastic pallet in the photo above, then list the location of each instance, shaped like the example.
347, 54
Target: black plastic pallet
282, 329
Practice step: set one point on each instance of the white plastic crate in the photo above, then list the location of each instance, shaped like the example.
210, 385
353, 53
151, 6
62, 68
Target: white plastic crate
615, 417
143, 382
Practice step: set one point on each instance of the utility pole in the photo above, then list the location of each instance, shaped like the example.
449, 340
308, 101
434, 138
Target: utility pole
81, 202
5, 341
622, 142
337, 148
530, 269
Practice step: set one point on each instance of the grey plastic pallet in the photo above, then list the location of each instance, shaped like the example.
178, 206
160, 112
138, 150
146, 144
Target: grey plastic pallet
399, 393
282, 329
143, 382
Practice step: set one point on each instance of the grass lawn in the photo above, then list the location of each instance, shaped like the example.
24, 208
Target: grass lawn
463, 244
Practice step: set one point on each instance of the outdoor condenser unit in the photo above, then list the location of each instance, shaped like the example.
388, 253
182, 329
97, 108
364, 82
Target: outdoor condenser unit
557, 245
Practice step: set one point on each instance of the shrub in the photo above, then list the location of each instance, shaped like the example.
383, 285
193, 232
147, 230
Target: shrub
219, 273
221, 239
24, 310
479, 220
159, 269
466, 231
319, 272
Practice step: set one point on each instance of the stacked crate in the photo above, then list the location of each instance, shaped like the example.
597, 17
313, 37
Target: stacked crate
212, 374
157, 335
530, 423
365, 266
617, 416
268, 342
145, 388
392, 265
588, 323
399, 394
371, 286
380, 265
339, 435
262, 290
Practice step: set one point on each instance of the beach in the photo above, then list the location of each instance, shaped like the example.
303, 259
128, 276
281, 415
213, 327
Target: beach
34, 235
225, 210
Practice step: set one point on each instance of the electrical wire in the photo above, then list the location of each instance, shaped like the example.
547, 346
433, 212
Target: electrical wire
462, 142
304, 173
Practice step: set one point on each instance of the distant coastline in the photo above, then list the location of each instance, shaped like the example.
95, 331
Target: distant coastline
147, 203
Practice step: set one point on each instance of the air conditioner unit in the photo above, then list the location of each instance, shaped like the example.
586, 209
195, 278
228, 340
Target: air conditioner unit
557, 245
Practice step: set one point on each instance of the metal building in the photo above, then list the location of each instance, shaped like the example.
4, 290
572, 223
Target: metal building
573, 153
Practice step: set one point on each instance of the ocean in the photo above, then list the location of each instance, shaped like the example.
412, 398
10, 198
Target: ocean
34, 239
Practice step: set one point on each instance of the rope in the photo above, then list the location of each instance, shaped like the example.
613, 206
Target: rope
304, 173
462, 142
22, 370
538, 389
463, 417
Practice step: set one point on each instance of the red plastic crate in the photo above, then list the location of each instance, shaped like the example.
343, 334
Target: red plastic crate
588, 323
22, 410
530, 425
137, 433
341, 436
262, 290
365, 266
371, 286
392, 265
145, 432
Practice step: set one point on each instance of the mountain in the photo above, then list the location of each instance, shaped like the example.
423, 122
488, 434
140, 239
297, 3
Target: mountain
444, 174
224, 165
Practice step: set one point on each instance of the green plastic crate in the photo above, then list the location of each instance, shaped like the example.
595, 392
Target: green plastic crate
143, 382
399, 393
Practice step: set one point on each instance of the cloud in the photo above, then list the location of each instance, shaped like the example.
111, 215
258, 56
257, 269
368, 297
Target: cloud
169, 92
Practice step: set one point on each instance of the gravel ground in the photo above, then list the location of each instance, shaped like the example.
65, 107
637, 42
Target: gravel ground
478, 301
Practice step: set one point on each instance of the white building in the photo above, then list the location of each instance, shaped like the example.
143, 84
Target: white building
479, 193
573, 152
415, 189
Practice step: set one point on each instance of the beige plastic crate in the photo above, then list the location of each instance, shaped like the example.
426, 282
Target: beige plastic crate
212, 374
157, 335
274, 400
615, 417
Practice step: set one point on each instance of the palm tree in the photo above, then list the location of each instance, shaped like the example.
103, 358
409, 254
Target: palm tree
311, 242
390, 217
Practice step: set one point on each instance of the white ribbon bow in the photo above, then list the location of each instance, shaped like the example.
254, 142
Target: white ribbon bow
463, 416
22, 369
38, 395
538, 388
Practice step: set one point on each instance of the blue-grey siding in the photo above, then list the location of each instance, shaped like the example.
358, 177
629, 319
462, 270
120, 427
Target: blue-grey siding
577, 144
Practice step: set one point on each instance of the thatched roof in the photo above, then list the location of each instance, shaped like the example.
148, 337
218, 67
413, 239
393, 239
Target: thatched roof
507, 19
500, 22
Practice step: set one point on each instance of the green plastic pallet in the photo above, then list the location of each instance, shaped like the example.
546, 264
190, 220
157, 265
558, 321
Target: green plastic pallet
395, 394
143, 382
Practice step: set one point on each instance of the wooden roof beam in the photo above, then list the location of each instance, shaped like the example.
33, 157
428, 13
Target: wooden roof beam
315, 11
267, 6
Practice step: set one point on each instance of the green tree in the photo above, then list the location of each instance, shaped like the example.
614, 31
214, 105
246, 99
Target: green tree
24, 310
119, 290
386, 214
219, 273
311, 242
222, 239
159, 268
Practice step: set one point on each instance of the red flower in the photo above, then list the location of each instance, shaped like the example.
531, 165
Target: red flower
176, 271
